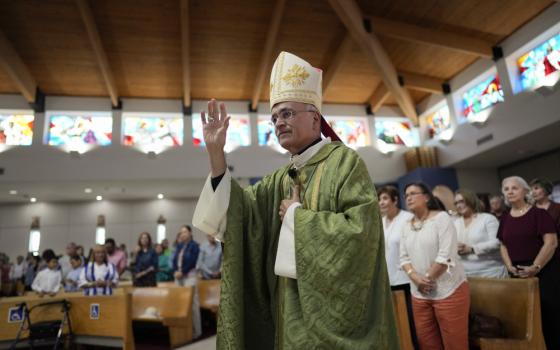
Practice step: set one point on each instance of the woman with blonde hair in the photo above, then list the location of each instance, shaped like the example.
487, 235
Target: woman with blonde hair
529, 249
478, 247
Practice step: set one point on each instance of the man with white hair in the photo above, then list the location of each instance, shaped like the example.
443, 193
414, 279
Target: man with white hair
303, 264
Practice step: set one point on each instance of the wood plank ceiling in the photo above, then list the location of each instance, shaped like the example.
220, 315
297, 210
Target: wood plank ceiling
142, 42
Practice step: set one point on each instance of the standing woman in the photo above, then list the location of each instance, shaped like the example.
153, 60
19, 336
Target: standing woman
528, 245
99, 277
146, 263
184, 267
478, 247
541, 191
394, 219
440, 292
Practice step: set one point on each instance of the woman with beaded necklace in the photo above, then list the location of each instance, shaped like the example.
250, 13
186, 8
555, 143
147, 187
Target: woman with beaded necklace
529, 248
440, 292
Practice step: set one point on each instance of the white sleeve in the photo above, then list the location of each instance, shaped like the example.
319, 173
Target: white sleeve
57, 282
447, 241
36, 285
210, 214
82, 279
285, 264
491, 243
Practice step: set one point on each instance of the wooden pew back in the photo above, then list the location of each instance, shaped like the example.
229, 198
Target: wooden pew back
170, 302
401, 316
113, 325
516, 302
209, 294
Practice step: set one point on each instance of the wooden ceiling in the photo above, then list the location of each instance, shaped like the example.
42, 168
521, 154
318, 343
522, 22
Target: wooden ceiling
142, 43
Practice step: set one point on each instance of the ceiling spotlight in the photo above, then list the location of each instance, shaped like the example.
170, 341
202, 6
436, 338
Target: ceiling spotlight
99, 198
160, 196
13, 192
33, 199
87, 190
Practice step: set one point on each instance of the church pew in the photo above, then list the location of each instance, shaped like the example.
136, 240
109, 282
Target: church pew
112, 327
209, 294
173, 306
401, 316
516, 302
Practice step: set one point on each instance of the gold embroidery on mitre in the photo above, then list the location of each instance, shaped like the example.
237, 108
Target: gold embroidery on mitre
295, 76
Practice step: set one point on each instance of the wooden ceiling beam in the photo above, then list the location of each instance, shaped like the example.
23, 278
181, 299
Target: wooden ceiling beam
441, 38
97, 46
185, 53
380, 95
13, 65
336, 62
350, 14
268, 51
421, 82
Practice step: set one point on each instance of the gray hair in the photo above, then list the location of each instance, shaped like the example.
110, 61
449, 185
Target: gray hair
520, 181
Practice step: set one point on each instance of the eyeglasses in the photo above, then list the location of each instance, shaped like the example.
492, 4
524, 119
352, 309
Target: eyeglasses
285, 115
412, 194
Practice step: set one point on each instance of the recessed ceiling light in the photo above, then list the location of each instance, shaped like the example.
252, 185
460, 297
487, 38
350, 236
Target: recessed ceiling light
33, 199
99, 198
13, 192
87, 190
160, 196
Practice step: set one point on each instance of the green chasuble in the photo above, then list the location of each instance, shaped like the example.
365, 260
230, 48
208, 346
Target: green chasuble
341, 298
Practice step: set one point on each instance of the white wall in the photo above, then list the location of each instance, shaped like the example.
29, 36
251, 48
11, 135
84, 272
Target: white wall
65, 222
479, 180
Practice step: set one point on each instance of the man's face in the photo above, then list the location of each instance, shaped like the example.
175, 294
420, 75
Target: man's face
109, 247
298, 131
75, 263
52, 264
70, 249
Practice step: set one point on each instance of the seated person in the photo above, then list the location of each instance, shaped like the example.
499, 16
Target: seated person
99, 277
73, 277
49, 279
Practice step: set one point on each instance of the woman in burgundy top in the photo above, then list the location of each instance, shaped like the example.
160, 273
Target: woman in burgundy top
541, 190
528, 246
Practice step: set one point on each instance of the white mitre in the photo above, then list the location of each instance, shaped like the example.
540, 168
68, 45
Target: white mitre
295, 80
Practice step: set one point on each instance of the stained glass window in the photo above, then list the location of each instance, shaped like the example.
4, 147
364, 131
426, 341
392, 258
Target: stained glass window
396, 131
16, 129
152, 133
539, 63
482, 96
354, 132
438, 122
266, 134
80, 132
238, 134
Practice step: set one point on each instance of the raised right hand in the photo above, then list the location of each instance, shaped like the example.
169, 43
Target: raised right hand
214, 128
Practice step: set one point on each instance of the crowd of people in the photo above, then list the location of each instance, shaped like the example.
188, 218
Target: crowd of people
431, 250
106, 265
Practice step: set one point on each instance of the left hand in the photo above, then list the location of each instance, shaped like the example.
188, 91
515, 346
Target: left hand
286, 203
100, 283
464, 249
527, 271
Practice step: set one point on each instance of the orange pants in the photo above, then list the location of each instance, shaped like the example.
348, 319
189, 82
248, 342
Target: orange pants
443, 324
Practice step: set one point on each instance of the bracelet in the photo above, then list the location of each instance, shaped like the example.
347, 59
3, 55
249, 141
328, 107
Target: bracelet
409, 272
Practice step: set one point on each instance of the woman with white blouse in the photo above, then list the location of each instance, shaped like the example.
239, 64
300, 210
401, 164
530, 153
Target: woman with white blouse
99, 276
394, 219
478, 247
440, 292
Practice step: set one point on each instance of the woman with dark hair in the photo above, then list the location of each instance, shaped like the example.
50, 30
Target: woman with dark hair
529, 244
541, 190
394, 219
99, 277
146, 264
440, 292
478, 247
